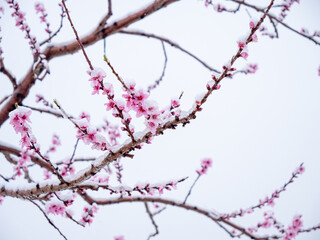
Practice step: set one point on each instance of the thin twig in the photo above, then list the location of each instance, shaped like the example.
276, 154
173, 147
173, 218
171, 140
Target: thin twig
42, 110
171, 43
190, 190
103, 22
8, 74
157, 82
49, 220
152, 221
77, 37
58, 30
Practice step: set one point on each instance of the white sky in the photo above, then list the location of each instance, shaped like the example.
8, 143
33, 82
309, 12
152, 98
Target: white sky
256, 128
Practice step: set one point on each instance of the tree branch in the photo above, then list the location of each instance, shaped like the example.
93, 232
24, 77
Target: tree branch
51, 52
168, 41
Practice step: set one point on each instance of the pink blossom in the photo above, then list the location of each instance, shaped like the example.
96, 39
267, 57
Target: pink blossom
1, 199
85, 115
175, 103
110, 105
140, 96
140, 111
108, 90
244, 54
39, 8
252, 24
47, 174
119, 238
254, 38
205, 164
97, 74
55, 207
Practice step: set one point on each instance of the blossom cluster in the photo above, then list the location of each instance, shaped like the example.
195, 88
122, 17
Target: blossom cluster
134, 99
55, 207
40, 9
205, 164
267, 201
88, 214
67, 168
18, 119
287, 4
1, 199
89, 134
112, 130
22, 163
294, 228
21, 23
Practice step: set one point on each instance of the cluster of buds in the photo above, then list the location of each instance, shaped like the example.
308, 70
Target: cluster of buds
21, 23
89, 134
88, 214
39, 7
285, 8
18, 119
205, 164
22, 163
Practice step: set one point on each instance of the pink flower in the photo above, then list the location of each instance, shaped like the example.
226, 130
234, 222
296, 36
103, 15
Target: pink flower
119, 238
152, 126
55, 207
39, 8
108, 89
244, 54
205, 164
140, 96
254, 38
175, 103
251, 24
85, 115
110, 105
97, 74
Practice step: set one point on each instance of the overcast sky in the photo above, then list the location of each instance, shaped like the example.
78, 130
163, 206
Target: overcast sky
257, 128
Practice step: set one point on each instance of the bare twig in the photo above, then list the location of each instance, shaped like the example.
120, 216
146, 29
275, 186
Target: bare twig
42, 110
171, 43
152, 221
77, 37
157, 82
8, 74
48, 219
190, 190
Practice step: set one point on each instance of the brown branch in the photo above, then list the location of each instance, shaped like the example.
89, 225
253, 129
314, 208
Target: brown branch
77, 37
127, 148
171, 43
103, 22
60, 50
42, 110
8, 74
